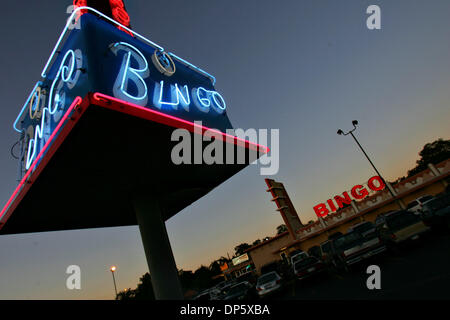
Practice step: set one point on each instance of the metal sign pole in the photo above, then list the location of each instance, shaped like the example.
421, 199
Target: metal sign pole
160, 260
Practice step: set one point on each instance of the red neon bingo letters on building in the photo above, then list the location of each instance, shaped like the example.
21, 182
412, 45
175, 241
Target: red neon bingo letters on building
358, 192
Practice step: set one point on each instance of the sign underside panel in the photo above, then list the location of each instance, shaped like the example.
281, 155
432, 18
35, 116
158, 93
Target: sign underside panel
111, 152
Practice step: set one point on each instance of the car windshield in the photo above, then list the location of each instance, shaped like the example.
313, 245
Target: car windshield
412, 204
237, 288
267, 278
304, 263
363, 227
425, 198
298, 257
401, 220
371, 234
293, 253
226, 288
435, 204
347, 241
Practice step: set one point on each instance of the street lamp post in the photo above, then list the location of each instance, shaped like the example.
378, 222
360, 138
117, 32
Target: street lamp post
355, 123
113, 269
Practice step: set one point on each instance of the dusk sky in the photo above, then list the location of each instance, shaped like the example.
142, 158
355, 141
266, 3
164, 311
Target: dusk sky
306, 68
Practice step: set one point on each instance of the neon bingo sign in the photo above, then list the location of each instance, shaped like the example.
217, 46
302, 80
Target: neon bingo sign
108, 57
358, 192
172, 96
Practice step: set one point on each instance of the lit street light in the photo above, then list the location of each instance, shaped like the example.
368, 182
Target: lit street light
113, 269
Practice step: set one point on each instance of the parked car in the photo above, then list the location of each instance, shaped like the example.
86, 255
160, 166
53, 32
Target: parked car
294, 252
272, 266
269, 283
205, 296
221, 285
248, 277
298, 257
219, 290
314, 251
435, 213
334, 235
326, 251
400, 226
415, 205
240, 291
224, 290
308, 267
379, 221
353, 247
215, 293
365, 228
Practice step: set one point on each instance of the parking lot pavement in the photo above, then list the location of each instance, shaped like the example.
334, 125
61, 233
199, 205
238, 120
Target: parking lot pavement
420, 270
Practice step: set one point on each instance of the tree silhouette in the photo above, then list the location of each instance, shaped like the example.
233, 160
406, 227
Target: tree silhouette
215, 265
281, 228
187, 280
434, 152
239, 250
127, 294
144, 290
256, 242
203, 278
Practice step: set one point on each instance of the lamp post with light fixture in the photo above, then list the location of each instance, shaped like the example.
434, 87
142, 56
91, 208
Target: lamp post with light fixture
113, 269
355, 123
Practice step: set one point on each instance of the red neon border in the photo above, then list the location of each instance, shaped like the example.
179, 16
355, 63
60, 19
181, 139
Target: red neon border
163, 118
30, 172
118, 105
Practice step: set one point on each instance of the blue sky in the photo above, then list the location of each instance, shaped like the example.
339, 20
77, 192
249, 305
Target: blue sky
306, 68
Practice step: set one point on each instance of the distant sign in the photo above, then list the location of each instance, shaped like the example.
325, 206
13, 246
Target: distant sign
240, 259
224, 267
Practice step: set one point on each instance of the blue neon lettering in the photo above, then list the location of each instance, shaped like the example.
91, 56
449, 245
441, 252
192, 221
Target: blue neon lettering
64, 75
160, 87
220, 106
177, 96
129, 74
204, 102
185, 101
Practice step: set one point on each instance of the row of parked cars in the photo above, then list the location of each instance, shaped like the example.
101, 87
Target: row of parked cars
390, 229
265, 285
366, 239
341, 251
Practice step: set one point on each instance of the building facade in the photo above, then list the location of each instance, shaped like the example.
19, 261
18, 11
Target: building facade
432, 181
